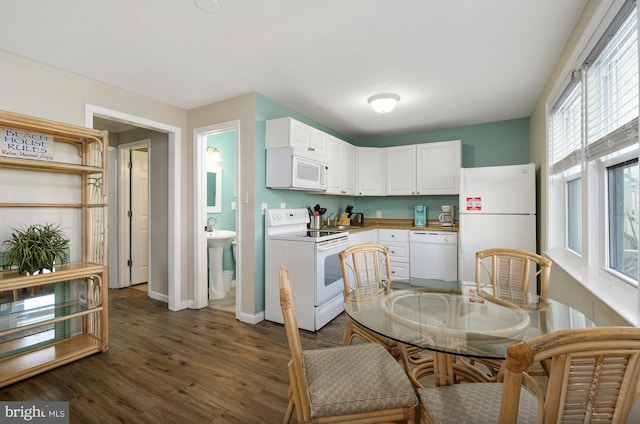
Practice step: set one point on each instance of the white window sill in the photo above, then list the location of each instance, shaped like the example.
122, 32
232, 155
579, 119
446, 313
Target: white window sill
618, 295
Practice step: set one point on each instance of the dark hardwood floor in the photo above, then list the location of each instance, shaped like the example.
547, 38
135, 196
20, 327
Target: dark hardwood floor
189, 366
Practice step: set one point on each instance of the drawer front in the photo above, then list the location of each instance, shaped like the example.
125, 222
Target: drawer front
399, 270
398, 252
397, 236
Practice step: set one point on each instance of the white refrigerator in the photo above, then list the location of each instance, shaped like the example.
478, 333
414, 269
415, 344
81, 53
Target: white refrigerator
497, 209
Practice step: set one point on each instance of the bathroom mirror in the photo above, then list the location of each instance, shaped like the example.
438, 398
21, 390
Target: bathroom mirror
214, 190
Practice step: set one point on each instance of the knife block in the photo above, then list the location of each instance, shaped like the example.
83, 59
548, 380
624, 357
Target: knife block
344, 219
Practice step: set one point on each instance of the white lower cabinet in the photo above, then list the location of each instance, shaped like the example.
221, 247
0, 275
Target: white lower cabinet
398, 243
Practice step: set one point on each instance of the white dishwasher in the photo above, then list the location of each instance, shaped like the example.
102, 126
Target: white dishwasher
433, 255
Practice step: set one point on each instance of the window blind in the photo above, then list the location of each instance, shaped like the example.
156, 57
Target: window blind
566, 127
612, 91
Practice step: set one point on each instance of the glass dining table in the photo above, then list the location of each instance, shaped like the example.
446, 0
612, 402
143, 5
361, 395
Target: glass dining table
454, 320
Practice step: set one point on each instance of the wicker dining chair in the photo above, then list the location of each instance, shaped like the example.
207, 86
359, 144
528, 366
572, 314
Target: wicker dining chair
505, 269
366, 272
593, 378
510, 274
356, 384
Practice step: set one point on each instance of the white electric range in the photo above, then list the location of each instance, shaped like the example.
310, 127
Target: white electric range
311, 256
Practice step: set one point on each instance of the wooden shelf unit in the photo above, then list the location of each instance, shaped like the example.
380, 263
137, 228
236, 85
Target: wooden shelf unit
63, 315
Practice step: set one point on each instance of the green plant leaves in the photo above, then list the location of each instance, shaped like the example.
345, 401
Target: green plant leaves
36, 247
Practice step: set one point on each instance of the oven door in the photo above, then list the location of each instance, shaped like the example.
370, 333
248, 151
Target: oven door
328, 270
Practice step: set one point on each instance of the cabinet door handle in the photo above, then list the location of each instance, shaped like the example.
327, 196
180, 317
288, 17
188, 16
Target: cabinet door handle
311, 149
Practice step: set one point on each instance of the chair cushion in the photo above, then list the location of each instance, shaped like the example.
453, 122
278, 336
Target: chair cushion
356, 378
473, 403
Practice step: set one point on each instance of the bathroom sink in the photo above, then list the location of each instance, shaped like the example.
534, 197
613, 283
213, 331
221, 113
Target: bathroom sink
218, 238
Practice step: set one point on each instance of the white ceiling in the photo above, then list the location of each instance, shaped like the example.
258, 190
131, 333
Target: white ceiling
453, 62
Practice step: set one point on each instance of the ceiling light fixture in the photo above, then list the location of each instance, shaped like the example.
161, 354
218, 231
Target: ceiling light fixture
383, 103
208, 6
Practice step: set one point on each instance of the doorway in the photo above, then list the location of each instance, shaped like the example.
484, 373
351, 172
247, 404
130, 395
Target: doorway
170, 216
200, 136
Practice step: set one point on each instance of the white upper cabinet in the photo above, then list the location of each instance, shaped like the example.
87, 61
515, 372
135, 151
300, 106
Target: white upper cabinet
372, 175
341, 161
438, 170
288, 132
401, 170
410, 170
333, 162
347, 168
424, 169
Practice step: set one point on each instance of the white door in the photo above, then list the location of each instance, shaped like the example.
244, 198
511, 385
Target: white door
139, 217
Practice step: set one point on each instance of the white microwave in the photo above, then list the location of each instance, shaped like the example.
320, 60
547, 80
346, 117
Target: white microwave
286, 169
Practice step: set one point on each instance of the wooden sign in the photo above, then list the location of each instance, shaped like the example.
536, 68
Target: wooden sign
26, 145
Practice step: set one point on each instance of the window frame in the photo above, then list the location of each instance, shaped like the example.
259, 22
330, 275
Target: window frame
604, 165
590, 268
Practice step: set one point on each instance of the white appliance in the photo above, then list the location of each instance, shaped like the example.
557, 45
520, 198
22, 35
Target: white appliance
311, 256
446, 216
433, 255
497, 209
291, 169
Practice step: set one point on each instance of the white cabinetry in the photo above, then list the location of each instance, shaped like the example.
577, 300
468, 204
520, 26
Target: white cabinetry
398, 243
423, 169
347, 168
333, 162
372, 176
287, 132
341, 161
401, 170
438, 169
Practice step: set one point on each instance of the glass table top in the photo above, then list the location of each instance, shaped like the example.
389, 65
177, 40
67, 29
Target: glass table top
454, 318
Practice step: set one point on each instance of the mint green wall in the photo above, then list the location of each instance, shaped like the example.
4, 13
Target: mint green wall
490, 144
225, 142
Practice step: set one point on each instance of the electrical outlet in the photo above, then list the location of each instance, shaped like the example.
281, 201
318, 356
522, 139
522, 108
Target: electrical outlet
264, 207
282, 206
378, 214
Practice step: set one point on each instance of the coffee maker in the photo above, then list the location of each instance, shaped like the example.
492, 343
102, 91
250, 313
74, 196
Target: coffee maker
446, 216
420, 216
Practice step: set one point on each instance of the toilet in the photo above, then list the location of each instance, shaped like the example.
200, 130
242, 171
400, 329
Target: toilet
227, 278
233, 249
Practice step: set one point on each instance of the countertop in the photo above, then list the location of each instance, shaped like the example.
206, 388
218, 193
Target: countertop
403, 224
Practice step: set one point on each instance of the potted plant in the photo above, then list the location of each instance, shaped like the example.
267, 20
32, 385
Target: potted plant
35, 248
